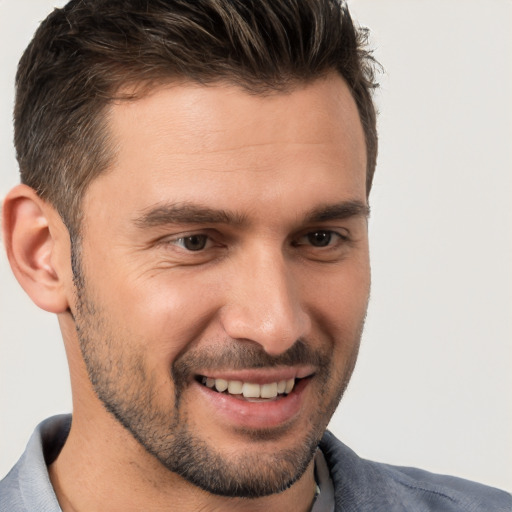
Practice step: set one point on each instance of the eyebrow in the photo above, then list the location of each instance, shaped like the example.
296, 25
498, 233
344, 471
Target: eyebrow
338, 211
191, 213
186, 213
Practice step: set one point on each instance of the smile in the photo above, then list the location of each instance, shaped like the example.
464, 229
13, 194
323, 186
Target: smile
255, 398
249, 390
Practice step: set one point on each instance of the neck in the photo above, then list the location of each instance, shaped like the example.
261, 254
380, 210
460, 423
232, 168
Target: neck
95, 472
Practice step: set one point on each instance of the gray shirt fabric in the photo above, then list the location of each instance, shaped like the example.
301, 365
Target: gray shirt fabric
359, 485
324, 499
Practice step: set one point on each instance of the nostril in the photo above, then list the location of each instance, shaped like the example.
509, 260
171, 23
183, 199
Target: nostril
266, 309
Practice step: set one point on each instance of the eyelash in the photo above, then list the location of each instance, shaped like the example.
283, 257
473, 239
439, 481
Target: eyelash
184, 239
331, 235
303, 240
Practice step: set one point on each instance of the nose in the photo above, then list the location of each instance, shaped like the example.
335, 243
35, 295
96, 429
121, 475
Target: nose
264, 303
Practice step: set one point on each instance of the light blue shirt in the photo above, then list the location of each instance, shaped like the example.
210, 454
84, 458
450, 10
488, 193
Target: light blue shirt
27, 487
347, 482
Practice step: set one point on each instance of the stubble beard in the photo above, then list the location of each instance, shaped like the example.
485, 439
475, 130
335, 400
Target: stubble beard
127, 390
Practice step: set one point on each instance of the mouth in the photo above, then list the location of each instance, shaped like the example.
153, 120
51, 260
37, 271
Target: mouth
255, 399
250, 391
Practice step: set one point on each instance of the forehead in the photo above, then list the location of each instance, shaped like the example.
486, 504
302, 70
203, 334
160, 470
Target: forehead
180, 142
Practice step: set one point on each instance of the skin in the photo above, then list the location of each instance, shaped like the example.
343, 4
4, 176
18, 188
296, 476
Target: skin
146, 303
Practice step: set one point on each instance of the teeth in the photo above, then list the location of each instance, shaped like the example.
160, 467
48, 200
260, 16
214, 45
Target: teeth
249, 389
281, 386
221, 385
268, 390
235, 387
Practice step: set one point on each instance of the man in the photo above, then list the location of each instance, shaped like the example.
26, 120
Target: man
194, 209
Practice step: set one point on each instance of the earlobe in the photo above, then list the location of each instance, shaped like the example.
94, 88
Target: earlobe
29, 230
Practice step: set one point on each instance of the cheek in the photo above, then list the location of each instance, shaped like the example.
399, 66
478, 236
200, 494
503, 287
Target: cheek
166, 314
338, 297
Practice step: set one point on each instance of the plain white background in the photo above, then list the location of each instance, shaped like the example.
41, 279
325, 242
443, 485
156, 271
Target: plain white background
433, 386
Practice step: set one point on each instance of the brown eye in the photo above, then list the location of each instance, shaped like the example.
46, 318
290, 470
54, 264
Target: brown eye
194, 242
320, 238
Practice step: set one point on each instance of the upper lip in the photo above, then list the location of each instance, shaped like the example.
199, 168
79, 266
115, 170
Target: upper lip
261, 375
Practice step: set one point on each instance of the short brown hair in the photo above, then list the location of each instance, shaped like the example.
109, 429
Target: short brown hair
83, 54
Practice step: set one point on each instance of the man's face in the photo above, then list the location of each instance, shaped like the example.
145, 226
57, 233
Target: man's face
227, 247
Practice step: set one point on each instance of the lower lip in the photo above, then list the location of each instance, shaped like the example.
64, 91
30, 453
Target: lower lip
255, 415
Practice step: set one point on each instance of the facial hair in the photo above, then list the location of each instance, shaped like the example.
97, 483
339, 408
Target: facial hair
128, 390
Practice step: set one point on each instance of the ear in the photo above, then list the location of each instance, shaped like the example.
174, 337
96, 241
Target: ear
33, 236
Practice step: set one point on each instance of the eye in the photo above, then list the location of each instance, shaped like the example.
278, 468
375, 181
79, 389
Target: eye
193, 242
320, 238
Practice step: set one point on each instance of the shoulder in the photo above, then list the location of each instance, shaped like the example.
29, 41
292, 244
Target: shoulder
10, 493
362, 485
27, 486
